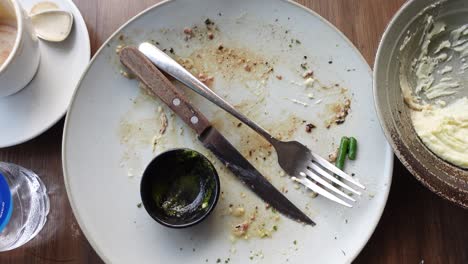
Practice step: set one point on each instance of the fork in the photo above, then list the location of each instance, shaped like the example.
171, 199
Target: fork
304, 166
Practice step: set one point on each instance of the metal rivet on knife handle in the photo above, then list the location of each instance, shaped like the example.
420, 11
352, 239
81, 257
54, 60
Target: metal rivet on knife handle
194, 119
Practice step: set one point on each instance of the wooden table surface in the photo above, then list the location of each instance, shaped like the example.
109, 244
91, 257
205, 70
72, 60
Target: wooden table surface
417, 226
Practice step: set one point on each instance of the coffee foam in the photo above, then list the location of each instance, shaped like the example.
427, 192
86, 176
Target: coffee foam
8, 30
7, 41
7, 13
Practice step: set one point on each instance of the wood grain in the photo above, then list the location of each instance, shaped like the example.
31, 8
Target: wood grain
416, 225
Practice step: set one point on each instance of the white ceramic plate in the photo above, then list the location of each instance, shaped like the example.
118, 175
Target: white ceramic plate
110, 127
45, 100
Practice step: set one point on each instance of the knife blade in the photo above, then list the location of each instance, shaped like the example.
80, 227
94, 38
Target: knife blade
252, 178
158, 85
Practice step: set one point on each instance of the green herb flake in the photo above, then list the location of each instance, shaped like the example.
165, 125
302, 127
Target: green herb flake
295, 242
263, 233
218, 260
275, 228
139, 205
298, 41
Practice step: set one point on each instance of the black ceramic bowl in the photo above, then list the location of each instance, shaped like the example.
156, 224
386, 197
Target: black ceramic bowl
179, 188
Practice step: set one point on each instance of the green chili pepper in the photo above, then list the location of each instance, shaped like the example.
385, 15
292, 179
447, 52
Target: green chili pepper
352, 148
342, 152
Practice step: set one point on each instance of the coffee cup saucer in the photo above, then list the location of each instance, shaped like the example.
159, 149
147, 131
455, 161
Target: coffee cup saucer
44, 101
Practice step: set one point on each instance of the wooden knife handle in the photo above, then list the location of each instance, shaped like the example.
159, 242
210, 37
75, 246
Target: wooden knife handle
160, 86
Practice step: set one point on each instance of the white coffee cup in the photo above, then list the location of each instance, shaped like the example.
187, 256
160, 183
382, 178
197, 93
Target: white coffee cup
23, 61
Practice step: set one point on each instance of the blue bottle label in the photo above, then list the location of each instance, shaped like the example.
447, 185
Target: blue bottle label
6, 202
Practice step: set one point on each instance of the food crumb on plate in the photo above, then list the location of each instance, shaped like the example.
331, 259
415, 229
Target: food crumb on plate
127, 74
341, 111
308, 74
189, 32
333, 156
119, 48
241, 229
206, 79
238, 212
309, 127
309, 82
210, 35
298, 102
164, 123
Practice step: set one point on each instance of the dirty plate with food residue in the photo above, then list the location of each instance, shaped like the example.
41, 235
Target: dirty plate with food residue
266, 58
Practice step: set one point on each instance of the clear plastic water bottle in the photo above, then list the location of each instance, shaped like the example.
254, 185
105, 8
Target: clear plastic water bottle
24, 205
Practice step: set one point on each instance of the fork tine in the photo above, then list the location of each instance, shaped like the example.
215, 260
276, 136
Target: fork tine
331, 178
324, 183
314, 187
335, 170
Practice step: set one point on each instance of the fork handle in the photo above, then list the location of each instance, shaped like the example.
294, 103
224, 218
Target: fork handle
170, 66
160, 86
